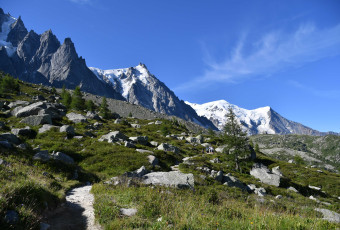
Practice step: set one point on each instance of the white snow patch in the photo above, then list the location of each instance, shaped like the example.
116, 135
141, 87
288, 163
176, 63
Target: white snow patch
139, 73
6, 28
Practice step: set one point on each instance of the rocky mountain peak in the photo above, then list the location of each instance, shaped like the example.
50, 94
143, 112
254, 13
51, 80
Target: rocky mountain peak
1, 11
48, 44
17, 33
28, 46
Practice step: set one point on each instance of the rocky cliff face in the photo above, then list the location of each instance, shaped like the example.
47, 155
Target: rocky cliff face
138, 86
42, 59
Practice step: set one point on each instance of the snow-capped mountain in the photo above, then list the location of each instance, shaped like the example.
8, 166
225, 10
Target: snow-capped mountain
138, 86
256, 121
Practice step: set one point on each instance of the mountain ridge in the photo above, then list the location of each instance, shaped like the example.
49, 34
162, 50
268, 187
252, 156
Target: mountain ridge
262, 120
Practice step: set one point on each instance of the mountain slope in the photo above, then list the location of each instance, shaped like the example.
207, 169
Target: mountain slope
138, 86
257, 121
42, 59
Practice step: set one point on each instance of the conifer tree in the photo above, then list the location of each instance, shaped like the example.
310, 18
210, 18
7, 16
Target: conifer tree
103, 110
78, 102
90, 106
235, 138
66, 97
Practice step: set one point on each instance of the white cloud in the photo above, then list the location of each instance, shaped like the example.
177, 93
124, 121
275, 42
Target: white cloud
275, 51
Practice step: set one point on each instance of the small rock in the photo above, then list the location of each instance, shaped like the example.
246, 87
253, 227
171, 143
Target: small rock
6, 144
68, 129
278, 197
291, 161
314, 187
128, 211
129, 144
153, 160
27, 131
76, 117
215, 160
276, 170
168, 148
313, 198
136, 126
154, 143
42, 156
13, 139
260, 191
59, 156
143, 151
46, 128
143, 140
158, 123
293, 189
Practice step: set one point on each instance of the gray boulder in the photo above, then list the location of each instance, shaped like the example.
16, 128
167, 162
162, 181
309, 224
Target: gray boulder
92, 115
67, 129
17, 103
129, 144
6, 144
173, 178
128, 211
113, 137
46, 128
30, 110
260, 191
261, 172
154, 143
37, 120
143, 140
42, 156
293, 189
276, 170
59, 156
143, 151
219, 176
137, 173
153, 160
11, 138
76, 117
136, 126
168, 148
232, 181
27, 131
158, 122
118, 121
329, 215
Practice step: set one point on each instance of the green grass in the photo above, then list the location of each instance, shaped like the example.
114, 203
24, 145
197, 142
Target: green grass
205, 208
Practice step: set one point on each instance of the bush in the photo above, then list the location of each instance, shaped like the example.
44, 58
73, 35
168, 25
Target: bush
8, 84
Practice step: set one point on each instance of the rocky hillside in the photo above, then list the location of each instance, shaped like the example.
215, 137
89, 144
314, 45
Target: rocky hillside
147, 174
320, 151
256, 121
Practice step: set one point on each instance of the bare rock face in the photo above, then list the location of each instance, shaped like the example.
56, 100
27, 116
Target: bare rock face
17, 33
261, 172
173, 178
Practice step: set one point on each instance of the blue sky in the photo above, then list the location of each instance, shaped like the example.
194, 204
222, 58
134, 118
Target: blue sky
284, 54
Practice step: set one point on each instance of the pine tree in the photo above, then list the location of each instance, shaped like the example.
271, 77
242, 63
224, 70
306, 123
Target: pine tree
66, 97
235, 138
90, 106
103, 110
78, 102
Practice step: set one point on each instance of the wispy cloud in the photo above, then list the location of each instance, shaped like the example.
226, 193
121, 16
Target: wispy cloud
330, 94
274, 52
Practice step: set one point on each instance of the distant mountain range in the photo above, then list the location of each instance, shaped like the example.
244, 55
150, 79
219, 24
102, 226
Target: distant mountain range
258, 121
40, 58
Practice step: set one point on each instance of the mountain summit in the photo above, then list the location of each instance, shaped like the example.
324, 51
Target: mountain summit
256, 121
42, 59
138, 86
